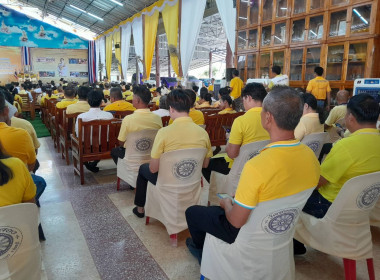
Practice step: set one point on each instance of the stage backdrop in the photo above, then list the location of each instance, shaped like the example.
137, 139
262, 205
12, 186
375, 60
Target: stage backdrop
10, 62
54, 64
18, 30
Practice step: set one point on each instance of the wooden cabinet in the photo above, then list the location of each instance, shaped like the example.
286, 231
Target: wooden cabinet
342, 36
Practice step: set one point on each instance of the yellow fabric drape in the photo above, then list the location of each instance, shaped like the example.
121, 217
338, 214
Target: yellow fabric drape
108, 56
151, 23
170, 18
117, 40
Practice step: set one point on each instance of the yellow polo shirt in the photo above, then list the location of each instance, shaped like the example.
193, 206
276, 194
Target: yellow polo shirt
319, 88
141, 119
182, 134
155, 99
205, 104
21, 187
106, 92
281, 169
46, 97
120, 105
236, 85
129, 97
24, 124
16, 142
308, 124
355, 155
79, 107
336, 114
65, 102
227, 111
210, 87
196, 115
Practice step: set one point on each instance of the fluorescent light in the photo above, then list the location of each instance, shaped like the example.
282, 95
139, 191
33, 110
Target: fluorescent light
243, 18
314, 33
79, 9
117, 2
277, 38
95, 16
360, 16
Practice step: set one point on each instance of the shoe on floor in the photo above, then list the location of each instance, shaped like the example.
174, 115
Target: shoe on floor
298, 248
196, 252
91, 167
137, 213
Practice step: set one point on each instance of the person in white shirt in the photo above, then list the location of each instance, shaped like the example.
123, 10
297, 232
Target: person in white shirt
164, 109
279, 79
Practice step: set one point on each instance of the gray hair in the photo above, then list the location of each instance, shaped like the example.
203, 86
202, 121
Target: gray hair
163, 103
286, 106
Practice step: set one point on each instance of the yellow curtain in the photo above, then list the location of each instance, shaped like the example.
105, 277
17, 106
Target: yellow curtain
117, 40
151, 23
170, 18
108, 56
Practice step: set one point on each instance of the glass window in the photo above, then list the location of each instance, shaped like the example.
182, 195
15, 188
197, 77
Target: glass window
316, 28
313, 59
335, 63
267, 10
296, 58
251, 68
254, 12
316, 4
243, 13
338, 23
266, 35
361, 17
338, 2
280, 34
241, 65
252, 39
357, 55
264, 66
299, 6
242, 40
298, 34
278, 59
282, 8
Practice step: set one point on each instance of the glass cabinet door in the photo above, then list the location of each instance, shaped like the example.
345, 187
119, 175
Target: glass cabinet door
267, 10
264, 65
338, 23
243, 13
242, 40
241, 66
361, 17
280, 34
299, 6
266, 35
357, 55
316, 28
296, 58
278, 59
335, 63
316, 4
282, 8
251, 68
252, 39
298, 32
338, 2
313, 59
254, 12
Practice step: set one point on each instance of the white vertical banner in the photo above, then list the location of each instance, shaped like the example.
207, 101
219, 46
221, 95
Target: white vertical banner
137, 29
126, 31
97, 58
102, 52
228, 15
191, 21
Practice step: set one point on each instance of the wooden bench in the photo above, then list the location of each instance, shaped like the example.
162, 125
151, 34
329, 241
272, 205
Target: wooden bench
65, 130
27, 105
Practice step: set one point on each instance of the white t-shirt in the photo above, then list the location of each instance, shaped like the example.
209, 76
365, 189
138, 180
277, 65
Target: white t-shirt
279, 80
162, 113
92, 115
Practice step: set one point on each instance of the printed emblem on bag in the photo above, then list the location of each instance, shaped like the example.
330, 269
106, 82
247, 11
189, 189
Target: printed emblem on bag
143, 144
314, 146
10, 241
185, 168
368, 196
280, 222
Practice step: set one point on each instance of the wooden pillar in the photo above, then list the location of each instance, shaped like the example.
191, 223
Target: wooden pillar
157, 62
169, 75
210, 65
229, 57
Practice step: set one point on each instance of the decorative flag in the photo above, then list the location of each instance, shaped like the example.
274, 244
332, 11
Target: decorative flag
25, 51
92, 61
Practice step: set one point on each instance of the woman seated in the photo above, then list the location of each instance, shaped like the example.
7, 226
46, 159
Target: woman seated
312, 120
205, 101
222, 91
226, 104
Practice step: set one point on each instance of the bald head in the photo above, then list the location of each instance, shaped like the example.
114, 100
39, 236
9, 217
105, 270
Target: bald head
342, 96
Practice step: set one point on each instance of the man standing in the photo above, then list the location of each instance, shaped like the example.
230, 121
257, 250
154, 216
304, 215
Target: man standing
320, 88
211, 85
278, 78
284, 162
236, 86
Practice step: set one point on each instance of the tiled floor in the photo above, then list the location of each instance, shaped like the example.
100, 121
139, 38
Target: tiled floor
92, 234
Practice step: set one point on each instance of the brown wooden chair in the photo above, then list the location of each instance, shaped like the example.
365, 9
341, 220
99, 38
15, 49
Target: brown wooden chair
37, 105
210, 111
56, 122
121, 114
65, 131
165, 121
95, 141
28, 105
50, 108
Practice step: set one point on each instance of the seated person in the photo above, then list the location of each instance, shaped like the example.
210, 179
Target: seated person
68, 100
48, 95
127, 91
312, 120
141, 119
156, 99
106, 90
245, 129
196, 115
206, 101
164, 109
338, 112
82, 105
117, 102
226, 105
282, 163
182, 134
201, 100
222, 91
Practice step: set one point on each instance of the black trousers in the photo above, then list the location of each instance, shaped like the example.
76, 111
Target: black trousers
143, 178
117, 153
317, 205
216, 164
212, 220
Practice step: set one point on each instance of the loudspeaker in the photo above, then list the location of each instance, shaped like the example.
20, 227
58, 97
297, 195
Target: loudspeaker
229, 74
117, 46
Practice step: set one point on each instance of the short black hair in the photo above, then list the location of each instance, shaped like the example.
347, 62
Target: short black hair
69, 92
83, 92
203, 92
192, 95
127, 87
255, 90
163, 103
207, 97
224, 91
95, 98
179, 100
158, 90
311, 101
318, 70
195, 88
276, 69
364, 108
171, 88
116, 93
143, 93
8, 96
235, 73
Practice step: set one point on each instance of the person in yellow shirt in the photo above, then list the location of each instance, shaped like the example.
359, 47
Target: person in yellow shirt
68, 100
278, 79
106, 90
211, 85
158, 96
320, 88
82, 105
226, 105
205, 101
196, 115
182, 134
245, 129
222, 91
49, 95
127, 91
236, 86
117, 102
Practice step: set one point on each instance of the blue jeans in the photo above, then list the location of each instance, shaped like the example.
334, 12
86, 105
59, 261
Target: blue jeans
317, 205
40, 184
321, 103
